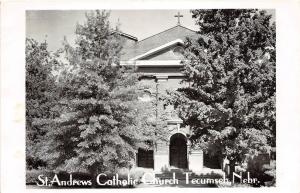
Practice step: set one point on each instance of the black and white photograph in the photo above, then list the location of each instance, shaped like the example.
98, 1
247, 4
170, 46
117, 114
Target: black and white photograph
150, 98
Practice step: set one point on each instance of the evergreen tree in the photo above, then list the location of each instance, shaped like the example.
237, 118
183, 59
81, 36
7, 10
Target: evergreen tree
102, 123
230, 68
39, 96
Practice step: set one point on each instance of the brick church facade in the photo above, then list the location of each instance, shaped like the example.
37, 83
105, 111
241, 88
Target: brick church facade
158, 60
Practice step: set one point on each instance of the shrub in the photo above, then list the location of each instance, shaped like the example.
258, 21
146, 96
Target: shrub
32, 175
137, 173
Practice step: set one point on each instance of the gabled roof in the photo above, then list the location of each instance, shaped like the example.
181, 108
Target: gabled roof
126, 35
155, 42
157, 49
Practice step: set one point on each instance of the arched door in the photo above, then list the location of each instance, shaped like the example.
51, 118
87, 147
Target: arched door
178, 151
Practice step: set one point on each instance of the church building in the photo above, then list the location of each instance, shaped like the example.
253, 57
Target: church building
158, 59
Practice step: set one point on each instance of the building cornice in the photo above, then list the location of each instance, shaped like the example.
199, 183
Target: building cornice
152, 63
157, 49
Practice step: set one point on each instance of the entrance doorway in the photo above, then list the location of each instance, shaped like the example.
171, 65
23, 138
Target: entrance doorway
178, 151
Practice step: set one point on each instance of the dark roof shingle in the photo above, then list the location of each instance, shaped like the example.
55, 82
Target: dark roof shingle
154, 41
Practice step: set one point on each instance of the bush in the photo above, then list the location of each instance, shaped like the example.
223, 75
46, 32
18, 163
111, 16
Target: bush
263, 171
137, 173
32, 175
270, 170
134, 173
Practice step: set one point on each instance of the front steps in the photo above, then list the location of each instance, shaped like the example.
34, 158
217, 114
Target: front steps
181, 173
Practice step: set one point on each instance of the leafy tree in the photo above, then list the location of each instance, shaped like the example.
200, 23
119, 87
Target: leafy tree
39, 96
102, 123
230, 68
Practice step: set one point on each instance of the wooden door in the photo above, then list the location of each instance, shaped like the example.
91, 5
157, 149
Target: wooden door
178, 151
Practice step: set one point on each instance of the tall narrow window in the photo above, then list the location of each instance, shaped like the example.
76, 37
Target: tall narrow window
145, 158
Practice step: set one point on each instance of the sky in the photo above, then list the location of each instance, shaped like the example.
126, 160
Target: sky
53, 25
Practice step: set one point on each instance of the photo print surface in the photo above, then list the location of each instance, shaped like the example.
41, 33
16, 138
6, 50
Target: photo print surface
150, 98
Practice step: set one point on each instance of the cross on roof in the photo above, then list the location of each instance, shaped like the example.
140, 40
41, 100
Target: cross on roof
178, 18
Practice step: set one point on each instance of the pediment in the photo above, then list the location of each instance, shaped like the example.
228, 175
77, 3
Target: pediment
169, 51
157, 46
